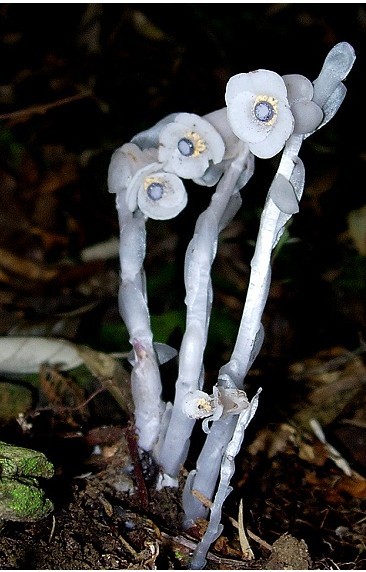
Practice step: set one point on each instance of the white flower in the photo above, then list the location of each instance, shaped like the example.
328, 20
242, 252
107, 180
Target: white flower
124, 164
189, 145
224, 401
198, 405
157, 194
259, 112
307, 114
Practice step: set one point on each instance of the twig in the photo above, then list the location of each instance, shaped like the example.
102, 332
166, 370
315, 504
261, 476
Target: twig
52, 528
133, 449
43, 108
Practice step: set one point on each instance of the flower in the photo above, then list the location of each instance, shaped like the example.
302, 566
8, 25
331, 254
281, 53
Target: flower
188, 145
259, 112
224, 401
307, 114
159, 195
124, 164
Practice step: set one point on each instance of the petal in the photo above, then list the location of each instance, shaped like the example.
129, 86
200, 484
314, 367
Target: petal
283, 195
299, 87
260, 82
172, 202
219, 120
125, 161
135, 184
168, 140
211, 175
197, 405
150, 137
212, 138
333, 103
242, 121
277, 138
307, 115
186, 167
336, 67
211, 146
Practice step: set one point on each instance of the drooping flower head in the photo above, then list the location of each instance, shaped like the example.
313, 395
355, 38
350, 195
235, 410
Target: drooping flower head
188, 145
159, 195
125, 162
259, 111
265, 109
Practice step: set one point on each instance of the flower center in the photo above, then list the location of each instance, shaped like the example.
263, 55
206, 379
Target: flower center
191, 145
185, 147
265, 109
154, 188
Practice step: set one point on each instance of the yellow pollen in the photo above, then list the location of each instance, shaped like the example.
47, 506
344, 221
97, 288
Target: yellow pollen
204, 405
150, 180
272, 106
198, 143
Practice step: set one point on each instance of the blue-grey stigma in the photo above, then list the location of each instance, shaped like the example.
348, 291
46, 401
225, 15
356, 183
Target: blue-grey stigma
186, 147
264, 111
155, 191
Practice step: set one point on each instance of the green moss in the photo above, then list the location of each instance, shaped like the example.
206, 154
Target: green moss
19, 461
22, 500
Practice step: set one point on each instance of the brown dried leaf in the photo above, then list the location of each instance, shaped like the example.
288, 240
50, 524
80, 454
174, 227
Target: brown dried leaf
24, 268
273, 441
111, 375
357, 229
63, 394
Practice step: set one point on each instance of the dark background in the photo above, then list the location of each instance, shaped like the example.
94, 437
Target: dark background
76, 82
125, 66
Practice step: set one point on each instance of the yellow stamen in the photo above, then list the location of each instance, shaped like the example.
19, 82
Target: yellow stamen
198, 143
272, 103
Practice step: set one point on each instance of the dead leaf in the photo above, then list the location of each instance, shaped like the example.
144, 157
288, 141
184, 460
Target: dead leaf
357, 229
111, 375
24, 268
63, 394
25, 355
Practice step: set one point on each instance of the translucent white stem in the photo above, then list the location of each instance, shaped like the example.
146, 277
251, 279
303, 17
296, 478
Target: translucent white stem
227, 469
199, 258
204, 478
145, 377
250, 336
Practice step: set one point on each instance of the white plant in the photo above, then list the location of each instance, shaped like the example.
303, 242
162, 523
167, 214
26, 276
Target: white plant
265, 114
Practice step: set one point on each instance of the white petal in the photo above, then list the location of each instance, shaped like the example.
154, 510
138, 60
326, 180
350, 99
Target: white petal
219, 120
187, 167
259, 82
213, 140
333, 103
336, 67
242, 120
135, 184
171, 203
125, 161
278, 136
307, 115
283, 195
211, 176
168, 140
150, 137
197, 405
195, 165
299, 88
